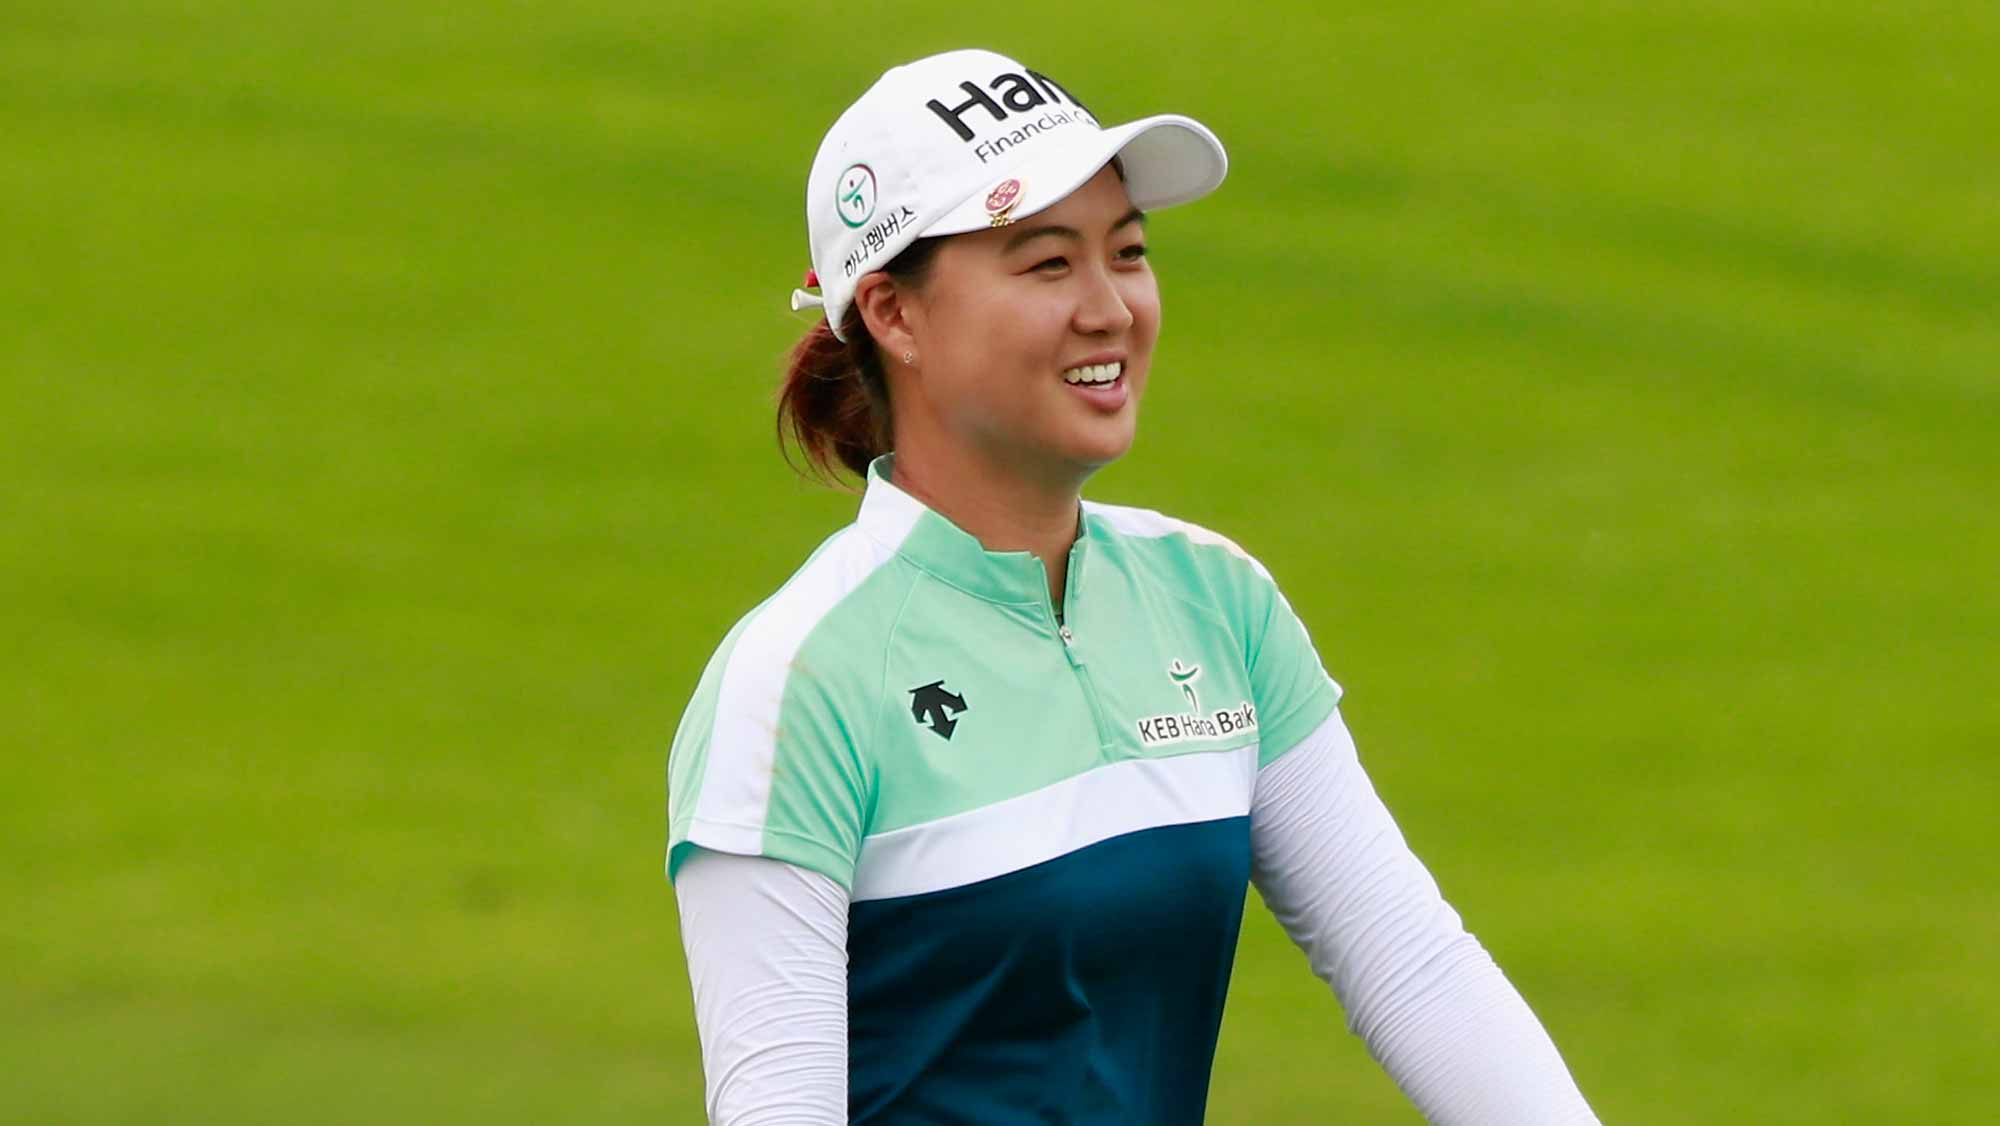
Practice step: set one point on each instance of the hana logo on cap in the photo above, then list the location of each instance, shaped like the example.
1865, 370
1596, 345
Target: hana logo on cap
1001, 200
854, 194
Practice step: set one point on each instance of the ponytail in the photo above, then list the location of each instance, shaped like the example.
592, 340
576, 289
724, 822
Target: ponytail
834, 405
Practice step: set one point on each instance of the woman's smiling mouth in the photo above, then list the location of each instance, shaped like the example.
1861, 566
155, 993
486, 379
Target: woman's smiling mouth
1095, 375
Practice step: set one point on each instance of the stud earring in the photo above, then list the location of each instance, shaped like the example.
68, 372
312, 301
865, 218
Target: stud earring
909, 357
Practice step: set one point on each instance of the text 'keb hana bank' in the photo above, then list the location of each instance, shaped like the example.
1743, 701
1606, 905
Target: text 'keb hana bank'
1160, 730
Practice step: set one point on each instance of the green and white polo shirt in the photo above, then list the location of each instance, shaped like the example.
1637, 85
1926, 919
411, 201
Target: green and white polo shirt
1042, 820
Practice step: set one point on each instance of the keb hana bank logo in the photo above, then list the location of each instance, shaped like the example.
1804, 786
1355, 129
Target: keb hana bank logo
1195, 723
854, 195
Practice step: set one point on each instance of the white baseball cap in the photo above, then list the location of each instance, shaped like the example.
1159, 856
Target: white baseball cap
970, 139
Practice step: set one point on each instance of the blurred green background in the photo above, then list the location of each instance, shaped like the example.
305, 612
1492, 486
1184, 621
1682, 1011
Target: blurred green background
386, 441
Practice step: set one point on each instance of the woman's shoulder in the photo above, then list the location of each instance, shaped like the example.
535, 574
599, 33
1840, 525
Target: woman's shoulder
1171, 539
840, 593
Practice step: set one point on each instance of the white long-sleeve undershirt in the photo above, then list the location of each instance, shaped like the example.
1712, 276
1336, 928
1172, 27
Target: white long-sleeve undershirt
767, 955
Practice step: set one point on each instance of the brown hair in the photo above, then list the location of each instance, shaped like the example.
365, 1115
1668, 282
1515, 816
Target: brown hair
834, 405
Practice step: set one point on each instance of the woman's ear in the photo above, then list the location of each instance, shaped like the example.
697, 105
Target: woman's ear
888, 312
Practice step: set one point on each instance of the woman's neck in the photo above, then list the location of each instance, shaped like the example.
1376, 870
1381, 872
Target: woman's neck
1003, 511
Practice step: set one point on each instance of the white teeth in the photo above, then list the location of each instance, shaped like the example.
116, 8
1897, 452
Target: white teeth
1094, 373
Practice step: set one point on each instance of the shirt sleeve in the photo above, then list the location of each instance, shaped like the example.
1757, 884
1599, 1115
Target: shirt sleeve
1292, 691
766, 945
766, 760
1433, 1008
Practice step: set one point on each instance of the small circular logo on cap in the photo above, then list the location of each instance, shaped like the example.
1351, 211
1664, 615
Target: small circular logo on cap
1002, 199
854, 194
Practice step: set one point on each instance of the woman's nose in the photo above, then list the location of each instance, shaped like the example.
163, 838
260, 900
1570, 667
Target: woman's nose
1102, 308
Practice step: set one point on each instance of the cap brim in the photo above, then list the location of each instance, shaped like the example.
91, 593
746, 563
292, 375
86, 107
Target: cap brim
1168, 159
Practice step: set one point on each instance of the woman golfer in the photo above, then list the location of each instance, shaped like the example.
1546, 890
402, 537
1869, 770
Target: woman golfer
962, 817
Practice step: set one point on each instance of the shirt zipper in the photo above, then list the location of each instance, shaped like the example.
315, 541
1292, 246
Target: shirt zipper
1076, 665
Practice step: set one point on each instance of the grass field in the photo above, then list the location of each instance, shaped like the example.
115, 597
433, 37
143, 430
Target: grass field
385, 436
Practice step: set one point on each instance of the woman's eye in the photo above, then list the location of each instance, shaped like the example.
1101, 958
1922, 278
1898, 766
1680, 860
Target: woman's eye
1134, 252
1051, 264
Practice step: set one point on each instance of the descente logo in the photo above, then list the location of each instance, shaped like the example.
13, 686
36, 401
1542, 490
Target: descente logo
1018, 93
1160, 729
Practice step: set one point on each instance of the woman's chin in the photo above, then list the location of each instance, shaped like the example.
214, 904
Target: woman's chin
1099, 446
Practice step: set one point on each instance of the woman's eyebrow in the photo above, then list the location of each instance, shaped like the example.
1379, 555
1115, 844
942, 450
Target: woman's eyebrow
1023, 237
